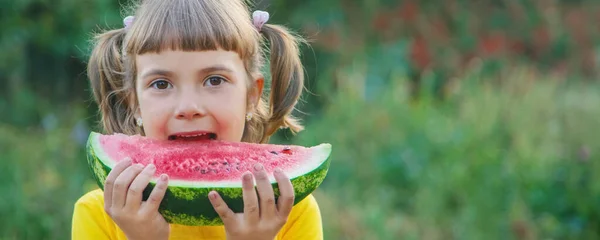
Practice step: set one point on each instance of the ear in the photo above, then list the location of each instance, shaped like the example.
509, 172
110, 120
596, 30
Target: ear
257, 89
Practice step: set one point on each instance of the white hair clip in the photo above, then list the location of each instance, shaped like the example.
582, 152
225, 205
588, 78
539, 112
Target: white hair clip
259, 18
128, 21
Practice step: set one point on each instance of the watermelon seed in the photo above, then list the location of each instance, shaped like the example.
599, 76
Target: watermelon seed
203, 171
225, 163
273, 152
196, 168
213, 163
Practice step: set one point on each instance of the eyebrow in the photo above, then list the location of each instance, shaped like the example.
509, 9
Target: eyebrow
216, 68
204, 71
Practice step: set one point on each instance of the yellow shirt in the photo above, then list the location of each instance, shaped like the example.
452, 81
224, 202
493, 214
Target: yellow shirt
90, 222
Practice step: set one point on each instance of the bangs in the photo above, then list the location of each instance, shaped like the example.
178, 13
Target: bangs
192, 25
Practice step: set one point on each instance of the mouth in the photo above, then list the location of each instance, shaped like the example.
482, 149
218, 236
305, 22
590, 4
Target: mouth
193, 136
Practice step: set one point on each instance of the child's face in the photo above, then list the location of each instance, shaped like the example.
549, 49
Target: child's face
184, 94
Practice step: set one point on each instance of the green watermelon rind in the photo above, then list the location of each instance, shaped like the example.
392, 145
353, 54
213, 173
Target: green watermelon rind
178, 205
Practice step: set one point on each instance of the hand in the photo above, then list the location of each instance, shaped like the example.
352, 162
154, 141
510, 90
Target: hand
256, 222
123, 201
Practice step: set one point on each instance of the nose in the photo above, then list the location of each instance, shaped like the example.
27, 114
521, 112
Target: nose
189, 109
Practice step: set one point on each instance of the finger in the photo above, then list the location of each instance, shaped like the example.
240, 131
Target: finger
110, 181
285, 202
134, 194
157, 194
122, 183
227, 216
265, 192
251, 213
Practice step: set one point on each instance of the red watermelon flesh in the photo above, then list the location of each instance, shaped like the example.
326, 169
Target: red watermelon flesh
210, 160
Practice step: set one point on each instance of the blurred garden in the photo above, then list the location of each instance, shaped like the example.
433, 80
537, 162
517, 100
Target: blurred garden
449, 119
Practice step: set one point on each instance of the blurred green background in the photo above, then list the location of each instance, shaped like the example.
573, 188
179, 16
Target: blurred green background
449, 119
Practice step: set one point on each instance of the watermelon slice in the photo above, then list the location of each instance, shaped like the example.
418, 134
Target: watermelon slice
197, 167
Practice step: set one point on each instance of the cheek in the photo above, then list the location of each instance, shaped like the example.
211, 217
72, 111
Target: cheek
230, 114
155, 115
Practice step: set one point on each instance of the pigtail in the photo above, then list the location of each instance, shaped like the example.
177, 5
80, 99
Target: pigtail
106, 74
287, 78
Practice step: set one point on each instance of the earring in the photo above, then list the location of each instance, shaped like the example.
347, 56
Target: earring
139, 122
248, 116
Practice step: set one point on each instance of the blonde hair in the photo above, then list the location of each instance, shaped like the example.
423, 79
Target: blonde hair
197, 25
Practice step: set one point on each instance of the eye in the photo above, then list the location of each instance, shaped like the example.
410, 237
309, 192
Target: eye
214, 81
161, 84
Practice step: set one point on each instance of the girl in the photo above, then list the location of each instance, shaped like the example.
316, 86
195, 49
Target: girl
191, 69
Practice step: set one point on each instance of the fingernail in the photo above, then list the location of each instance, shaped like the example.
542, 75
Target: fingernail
164, 177
278, 170
139, 166
258, 167
247, 176
127, 161
151, 166
213, 195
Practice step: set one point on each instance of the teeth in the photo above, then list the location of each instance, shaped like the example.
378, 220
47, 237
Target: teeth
210, 135
197, 135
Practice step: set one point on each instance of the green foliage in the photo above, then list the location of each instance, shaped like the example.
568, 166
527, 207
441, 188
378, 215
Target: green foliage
45, 45
509, 161
42, 174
